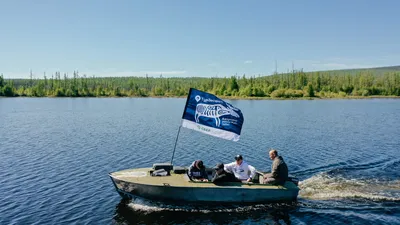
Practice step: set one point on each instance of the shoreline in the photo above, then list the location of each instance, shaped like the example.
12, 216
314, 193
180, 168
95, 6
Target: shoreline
229, 97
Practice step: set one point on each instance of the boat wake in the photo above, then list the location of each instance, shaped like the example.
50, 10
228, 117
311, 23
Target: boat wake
327, 186
148, 206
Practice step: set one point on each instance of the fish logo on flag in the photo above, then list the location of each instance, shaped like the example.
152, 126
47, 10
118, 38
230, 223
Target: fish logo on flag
208, 114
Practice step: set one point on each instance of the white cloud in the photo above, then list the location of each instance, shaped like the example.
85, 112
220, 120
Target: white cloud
248, 62
331, 65
136, 73
106, 73
173, 72
305, 61
334, 66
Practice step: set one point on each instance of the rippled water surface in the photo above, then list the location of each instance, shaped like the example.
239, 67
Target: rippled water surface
56, 153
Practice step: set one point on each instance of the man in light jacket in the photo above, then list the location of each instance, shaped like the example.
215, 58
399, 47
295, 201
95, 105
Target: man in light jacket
279, 170
241, 169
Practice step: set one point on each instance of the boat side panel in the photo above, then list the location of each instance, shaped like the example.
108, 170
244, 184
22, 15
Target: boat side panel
216, 194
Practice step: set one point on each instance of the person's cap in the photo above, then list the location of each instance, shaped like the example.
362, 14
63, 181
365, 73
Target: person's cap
238, 157
199, 164
219, 166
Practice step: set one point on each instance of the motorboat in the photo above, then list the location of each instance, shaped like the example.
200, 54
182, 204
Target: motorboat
174, 185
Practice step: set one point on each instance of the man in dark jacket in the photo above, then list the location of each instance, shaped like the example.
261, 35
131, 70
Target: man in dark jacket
222, 176
197, 171
279, 170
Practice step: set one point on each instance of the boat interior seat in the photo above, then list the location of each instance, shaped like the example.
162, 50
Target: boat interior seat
258, 178
180, 170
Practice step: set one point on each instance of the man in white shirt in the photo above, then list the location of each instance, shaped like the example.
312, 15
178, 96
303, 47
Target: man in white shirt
241, 169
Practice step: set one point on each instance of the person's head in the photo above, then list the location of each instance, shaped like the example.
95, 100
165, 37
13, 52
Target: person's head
219, 168
199, 164
239, 159
273, 154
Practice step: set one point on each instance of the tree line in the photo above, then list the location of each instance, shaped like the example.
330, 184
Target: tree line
286, 85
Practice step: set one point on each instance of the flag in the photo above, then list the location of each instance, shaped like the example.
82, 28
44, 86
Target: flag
208, 114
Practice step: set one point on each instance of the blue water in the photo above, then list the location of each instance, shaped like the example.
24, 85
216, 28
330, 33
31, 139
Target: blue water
56, 153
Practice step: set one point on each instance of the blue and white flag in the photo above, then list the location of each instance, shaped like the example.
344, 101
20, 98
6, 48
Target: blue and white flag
208, 114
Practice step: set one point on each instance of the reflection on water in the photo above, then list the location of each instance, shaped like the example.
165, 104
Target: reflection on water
278, 215
141, 211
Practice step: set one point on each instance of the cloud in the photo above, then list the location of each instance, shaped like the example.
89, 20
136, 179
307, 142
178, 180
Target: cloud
335, 66
138, 73
105, 73
306, 61
173, 72
248, 62
331, 65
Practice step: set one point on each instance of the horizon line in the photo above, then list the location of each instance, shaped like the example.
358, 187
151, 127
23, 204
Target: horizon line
161, 74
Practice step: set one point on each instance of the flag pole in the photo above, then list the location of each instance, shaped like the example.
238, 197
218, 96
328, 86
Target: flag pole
176, 141
177, 136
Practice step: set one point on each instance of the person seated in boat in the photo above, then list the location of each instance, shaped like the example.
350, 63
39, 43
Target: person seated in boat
222, 176
241, 169
197, 171
279, 170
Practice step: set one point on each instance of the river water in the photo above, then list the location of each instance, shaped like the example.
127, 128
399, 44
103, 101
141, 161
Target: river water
56, 153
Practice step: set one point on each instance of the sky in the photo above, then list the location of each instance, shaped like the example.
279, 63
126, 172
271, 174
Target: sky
195, 38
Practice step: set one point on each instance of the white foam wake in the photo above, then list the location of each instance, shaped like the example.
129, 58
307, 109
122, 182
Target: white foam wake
324, 187
147, 206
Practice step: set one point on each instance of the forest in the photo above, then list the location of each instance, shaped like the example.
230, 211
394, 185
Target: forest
296, 84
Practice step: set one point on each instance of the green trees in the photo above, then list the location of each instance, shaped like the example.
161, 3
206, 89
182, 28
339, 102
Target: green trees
309, 90
1, 81
5, 88
1, 84
233, 85
292, 85
8, 91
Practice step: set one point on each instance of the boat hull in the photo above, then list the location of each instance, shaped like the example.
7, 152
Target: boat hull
203, 192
